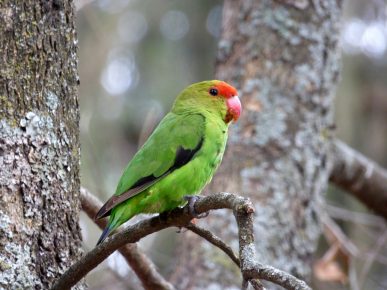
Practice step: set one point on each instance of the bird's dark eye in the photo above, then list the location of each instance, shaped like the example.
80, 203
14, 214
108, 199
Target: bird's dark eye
213, 92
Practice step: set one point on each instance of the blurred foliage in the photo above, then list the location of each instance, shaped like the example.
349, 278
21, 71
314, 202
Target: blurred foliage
135, 57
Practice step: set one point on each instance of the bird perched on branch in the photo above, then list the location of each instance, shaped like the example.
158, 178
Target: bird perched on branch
179, 158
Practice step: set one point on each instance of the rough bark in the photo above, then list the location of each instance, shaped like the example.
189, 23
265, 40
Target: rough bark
283, 58
39, 144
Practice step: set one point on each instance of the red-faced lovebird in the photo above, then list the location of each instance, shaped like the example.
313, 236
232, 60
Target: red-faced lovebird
179, 158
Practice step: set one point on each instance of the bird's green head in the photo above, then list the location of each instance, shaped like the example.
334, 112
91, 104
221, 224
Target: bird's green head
215, 97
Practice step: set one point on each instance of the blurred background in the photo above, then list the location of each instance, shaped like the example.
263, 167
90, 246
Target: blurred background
136, 56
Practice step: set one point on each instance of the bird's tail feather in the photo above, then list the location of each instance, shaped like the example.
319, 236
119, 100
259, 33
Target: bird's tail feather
105, 233
117, 218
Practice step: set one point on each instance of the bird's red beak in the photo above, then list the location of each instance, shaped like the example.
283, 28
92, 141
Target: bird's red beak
234, 109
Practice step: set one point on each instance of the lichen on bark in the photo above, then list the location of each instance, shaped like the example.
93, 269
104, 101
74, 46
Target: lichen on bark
39, 143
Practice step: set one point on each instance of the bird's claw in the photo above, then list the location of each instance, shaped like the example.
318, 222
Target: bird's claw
192, 199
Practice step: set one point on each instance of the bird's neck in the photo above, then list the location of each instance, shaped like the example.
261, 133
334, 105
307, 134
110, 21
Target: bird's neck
187, 108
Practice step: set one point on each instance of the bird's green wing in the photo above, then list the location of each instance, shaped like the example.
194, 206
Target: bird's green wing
173, 144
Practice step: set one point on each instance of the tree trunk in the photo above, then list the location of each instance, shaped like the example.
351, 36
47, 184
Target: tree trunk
39, 143
283, 57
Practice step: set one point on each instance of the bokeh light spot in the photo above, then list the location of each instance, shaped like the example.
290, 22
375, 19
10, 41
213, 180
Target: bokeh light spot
368, 38
352, 33
174, 25
214, 19
374, 40
132, 27
119, 75
110, 6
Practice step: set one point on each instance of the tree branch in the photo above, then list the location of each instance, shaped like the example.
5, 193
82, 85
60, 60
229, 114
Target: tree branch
361, 177
138, 261
250, 268
216, 241
180, 217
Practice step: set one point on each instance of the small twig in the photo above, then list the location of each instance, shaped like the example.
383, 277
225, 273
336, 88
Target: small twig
257, 285
370, 260
355, 217
138, 261
335, 235
361, 177
250, 268
181, 217
216, 241
353, 281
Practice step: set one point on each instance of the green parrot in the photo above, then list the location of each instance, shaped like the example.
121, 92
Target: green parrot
179, 158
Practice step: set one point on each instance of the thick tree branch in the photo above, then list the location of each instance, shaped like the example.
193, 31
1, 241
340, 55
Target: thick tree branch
138, 261
181, 217
361, 177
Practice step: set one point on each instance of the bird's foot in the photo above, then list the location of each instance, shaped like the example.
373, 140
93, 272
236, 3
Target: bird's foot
191, 206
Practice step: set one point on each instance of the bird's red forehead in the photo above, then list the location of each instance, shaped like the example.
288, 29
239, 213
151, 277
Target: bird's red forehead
226, 90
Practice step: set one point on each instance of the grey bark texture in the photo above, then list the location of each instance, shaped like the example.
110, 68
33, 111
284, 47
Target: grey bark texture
283, 57
39, 143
